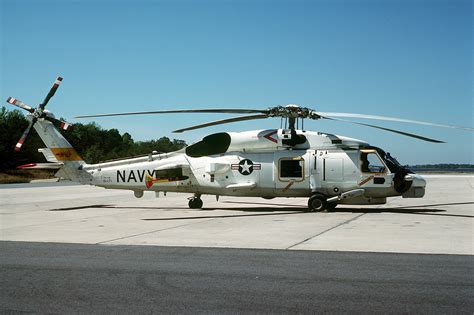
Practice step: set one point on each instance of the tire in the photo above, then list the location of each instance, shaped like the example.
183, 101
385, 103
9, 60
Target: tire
317, 202
331, 206
199, 203
195, 203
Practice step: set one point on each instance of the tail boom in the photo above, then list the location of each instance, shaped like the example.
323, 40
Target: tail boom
63, 152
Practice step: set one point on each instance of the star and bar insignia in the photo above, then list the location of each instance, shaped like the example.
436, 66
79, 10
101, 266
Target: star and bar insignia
246, 167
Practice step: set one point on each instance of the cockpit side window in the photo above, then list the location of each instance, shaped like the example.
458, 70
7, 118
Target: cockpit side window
370, 162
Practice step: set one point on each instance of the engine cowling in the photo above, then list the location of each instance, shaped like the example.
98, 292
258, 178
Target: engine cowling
248, 141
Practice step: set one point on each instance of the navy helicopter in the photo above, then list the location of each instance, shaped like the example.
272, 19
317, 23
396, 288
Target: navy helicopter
327, 169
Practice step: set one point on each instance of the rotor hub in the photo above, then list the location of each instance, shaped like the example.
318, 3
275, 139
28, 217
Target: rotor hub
292, 111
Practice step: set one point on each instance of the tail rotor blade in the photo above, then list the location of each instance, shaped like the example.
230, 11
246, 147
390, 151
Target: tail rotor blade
65, 125
24, 135
60, 123
51, 92
20, 104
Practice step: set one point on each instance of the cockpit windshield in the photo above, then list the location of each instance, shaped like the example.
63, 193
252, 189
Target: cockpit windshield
390, 159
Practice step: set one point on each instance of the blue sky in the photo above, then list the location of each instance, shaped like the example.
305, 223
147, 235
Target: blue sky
409, 59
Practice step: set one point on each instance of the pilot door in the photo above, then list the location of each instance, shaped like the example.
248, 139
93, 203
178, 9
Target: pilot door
374, 172
291, 173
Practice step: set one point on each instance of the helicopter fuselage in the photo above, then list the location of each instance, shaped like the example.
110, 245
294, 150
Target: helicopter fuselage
262, 164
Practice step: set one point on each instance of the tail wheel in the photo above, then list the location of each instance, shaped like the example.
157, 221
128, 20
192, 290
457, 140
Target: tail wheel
195, 203
317, 202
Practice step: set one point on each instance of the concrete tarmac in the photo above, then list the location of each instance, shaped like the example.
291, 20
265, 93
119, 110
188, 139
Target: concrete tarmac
97, 279
439, 223
67, 248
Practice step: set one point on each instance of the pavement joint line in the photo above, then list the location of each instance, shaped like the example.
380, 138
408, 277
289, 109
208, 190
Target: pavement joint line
228, 216
325, 231
471, 183
150, 232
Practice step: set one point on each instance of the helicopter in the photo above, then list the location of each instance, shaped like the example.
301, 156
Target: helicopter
327, 169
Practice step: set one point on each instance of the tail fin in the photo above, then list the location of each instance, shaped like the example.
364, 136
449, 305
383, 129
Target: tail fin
63, 152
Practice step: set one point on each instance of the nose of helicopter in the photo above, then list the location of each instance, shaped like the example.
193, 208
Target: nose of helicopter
417, 188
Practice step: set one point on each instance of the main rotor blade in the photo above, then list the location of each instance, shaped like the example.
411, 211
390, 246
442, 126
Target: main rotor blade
177, 111
386, 129
351, 115
223, 121
51, 92
24, 135
20, 104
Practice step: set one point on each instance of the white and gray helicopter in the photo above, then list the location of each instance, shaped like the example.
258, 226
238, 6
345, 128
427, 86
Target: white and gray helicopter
287, 162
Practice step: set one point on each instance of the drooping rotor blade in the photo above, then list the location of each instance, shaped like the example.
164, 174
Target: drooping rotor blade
24, 135
60, 123
386, 129
20, 104
363, 116
51, 92
177, 111
222, 121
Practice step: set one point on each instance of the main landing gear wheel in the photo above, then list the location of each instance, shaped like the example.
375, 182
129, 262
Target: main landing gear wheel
331, 206
195, 203
317, 202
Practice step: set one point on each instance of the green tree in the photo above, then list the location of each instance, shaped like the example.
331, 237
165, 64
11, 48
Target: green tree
12, 125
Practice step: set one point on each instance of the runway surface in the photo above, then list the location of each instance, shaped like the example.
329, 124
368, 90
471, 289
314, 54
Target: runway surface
75, 278
439, 223
67, 248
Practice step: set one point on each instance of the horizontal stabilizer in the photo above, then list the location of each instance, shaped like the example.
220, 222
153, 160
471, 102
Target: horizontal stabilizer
43, 166
48, 155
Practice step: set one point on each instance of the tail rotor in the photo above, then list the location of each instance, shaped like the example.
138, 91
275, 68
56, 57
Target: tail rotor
39, 113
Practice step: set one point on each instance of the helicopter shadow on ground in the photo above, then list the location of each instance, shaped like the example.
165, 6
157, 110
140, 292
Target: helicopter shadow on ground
270, 207
79, 207
415, 209
277, 209
274, 209
110, 206
261, 211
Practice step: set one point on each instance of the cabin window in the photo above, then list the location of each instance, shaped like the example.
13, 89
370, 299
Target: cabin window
370, 162
291, 168
169, 173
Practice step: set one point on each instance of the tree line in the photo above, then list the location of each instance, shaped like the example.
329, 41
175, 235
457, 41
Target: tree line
93, 143
443, 166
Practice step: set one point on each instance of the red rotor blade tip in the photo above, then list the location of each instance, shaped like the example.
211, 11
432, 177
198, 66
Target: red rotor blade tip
18, 146
66, 126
